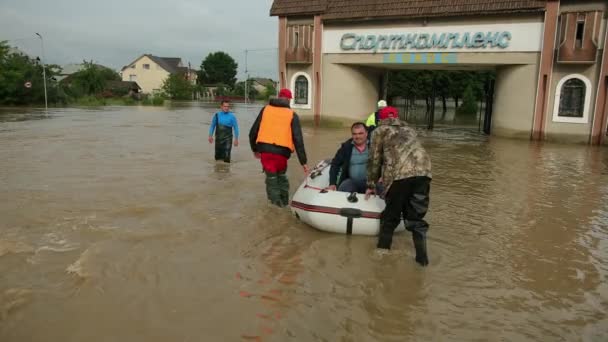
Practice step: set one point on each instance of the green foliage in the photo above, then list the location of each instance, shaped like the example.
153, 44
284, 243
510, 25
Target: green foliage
271, 90
158, 101
91, 80
177, 87
419, 84
17, 69
222, 91
469, 103
239, 89
218, 67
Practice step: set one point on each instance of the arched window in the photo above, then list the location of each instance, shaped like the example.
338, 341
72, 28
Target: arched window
572, 99
301, 88
302, 91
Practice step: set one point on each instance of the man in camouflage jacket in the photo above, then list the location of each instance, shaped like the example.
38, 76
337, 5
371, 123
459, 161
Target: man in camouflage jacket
406, 171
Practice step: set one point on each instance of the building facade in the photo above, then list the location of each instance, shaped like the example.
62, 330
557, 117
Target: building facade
150, 72
549, 57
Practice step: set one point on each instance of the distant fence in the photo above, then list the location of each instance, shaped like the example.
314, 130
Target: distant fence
229, 98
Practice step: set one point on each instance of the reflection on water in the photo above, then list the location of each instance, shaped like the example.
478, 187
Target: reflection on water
120, 220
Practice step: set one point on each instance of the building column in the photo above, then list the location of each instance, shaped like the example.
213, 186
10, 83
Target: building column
600, 114
316, 68
282, 52
545, 70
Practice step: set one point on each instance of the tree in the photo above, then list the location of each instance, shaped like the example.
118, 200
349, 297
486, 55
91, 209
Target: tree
3, 50
91, 80
16, 70
239, 89
269, 91
469, 103
218, 68
177, 87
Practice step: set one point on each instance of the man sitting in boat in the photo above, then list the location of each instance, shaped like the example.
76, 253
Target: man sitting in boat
348, 171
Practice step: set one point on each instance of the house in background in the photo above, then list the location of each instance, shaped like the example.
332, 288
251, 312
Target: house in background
260, 84
73, 68
150, 72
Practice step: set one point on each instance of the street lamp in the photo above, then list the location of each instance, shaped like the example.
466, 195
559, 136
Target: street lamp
46, 104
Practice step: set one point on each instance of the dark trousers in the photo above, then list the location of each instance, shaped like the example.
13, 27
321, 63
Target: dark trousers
223, 143
407, 198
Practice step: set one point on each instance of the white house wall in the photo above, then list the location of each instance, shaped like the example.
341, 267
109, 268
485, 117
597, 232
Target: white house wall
150, 80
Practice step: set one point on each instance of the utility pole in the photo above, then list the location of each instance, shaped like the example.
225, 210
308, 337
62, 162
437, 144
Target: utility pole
46, 104
246, 79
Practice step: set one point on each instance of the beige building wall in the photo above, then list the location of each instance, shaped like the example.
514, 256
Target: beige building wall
150, 80
564, 131
349, 91
293, 71
515, 95
575, 132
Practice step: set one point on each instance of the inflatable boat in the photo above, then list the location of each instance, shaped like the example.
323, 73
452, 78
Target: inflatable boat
336, 211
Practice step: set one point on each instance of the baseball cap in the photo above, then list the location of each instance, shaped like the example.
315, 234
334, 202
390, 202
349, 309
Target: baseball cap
286, 93
388, 113
381, 104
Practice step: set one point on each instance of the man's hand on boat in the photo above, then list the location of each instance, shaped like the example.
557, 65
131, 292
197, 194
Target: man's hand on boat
369, 192
306, 169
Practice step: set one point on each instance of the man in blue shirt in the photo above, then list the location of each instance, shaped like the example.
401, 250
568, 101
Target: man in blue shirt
348, 171
223, 123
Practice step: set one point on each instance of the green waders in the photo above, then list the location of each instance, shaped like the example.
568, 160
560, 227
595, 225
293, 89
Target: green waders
223, 143
277, 188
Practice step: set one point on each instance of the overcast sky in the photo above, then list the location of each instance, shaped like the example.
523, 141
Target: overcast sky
115, 32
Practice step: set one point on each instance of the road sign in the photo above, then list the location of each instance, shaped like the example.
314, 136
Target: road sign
28, 84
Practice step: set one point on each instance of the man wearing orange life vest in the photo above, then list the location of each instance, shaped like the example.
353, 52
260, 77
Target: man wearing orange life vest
274, 136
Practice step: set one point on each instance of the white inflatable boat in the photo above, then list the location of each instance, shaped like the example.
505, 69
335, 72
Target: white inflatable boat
336, 211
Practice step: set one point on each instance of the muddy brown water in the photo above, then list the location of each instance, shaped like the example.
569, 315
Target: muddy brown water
117, 225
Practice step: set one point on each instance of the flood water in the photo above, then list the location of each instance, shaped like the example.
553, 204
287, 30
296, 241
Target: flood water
117, 225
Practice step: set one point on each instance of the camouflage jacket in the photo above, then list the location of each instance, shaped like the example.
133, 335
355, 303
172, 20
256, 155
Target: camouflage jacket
396, 152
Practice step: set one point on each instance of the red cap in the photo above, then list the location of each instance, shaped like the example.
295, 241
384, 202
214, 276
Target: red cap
286, 93
388, 113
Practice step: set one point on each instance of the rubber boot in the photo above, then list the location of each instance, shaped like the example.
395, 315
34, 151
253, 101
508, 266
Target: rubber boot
283, 184
420, 246
273, 189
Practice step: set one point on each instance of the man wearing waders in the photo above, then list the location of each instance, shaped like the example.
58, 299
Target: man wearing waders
274, 136
223, 123
406, 171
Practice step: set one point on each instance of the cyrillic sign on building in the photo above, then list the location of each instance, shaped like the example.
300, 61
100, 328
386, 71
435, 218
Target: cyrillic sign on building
522, 37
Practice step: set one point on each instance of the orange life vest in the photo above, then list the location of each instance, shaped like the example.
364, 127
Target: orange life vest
275, 128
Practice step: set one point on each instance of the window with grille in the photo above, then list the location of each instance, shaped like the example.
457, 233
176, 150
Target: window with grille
301, 90
572, 99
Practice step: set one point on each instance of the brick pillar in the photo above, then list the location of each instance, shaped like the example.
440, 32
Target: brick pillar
316, 67
600, 116
546, 69
282, 51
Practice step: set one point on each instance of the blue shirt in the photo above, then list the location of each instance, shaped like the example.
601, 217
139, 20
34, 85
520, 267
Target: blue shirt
358, 165
224, 119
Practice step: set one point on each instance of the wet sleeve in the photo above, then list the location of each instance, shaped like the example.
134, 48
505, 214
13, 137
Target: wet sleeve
235, 125
213, 124
253, 132
298, 139
374, 162
334, 169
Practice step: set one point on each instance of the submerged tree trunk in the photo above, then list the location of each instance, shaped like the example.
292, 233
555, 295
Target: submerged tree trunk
445, 107
456, 102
